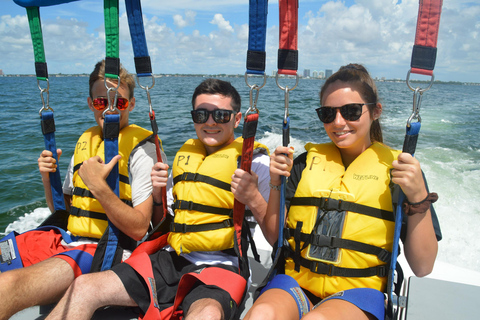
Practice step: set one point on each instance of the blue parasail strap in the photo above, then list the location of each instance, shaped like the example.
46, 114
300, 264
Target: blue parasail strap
40, 3
48, 130
111, 130
409, 145
143, 64
257, 34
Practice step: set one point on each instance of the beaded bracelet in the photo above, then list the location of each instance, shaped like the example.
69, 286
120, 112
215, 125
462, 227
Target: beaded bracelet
419, 207
274, 187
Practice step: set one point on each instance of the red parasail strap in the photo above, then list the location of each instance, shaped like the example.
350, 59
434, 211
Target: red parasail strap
249, 131
153, 122
425, 48
288, 36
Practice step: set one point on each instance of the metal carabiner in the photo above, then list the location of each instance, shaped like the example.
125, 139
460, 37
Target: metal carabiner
42, 90
417, 101
253, 102
287, 105
147, 90
432, 78
286, 87
111, 107
251, 86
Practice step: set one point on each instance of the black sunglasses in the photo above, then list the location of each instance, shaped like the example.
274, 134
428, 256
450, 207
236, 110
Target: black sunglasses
219, 115
349, 112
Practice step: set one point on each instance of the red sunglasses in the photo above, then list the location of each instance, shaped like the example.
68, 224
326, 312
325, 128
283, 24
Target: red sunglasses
102, 103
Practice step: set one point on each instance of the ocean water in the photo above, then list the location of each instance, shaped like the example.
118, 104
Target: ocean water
448, 147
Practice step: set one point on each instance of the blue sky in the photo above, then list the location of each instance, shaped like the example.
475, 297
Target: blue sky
210, 36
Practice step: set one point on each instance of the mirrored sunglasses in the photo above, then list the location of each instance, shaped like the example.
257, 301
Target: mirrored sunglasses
219, 115
102, 103
349, 112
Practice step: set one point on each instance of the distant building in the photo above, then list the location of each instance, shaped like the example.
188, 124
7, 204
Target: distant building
315, 74
1, 72
321, 74
306, 73
328, 73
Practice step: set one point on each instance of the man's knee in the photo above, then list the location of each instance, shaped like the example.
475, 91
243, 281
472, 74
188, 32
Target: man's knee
205, 309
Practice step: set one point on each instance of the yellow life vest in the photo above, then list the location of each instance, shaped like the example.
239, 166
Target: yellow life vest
87, 217
203, 201
361, 195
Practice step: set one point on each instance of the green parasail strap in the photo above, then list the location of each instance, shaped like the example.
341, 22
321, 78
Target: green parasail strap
112, 60
34, 22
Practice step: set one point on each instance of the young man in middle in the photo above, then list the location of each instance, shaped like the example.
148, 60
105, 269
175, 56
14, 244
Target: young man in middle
205, 200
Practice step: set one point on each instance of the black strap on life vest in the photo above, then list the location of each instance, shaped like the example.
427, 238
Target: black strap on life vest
340, 205
335, 242
197, 177
331, 270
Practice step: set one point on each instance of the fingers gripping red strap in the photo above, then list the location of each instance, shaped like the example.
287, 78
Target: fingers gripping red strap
425, 48
288, 34
159, 158
249, 131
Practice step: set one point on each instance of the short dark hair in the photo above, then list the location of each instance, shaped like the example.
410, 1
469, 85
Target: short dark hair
217, 86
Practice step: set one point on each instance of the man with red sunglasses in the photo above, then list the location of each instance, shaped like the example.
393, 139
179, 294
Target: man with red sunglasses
204, 182
50, 264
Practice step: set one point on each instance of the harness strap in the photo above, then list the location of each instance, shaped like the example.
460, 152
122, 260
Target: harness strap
74, 211
425, 48
334, 242
189, 205
184, 228
340, 205
333, 271
197, 177
287, 52
123, 178
81, 192
257, 34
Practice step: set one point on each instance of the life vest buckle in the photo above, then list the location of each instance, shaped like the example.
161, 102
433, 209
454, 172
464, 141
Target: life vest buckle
384, 255
320, 240
329, 204
382, 271
189, 176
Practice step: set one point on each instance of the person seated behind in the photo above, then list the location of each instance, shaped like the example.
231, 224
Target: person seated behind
49, 264
327, 282
214, 154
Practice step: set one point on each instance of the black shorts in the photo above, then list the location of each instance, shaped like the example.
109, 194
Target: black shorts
168, 268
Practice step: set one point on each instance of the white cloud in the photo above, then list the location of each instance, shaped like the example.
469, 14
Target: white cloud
189, 19
222, 24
